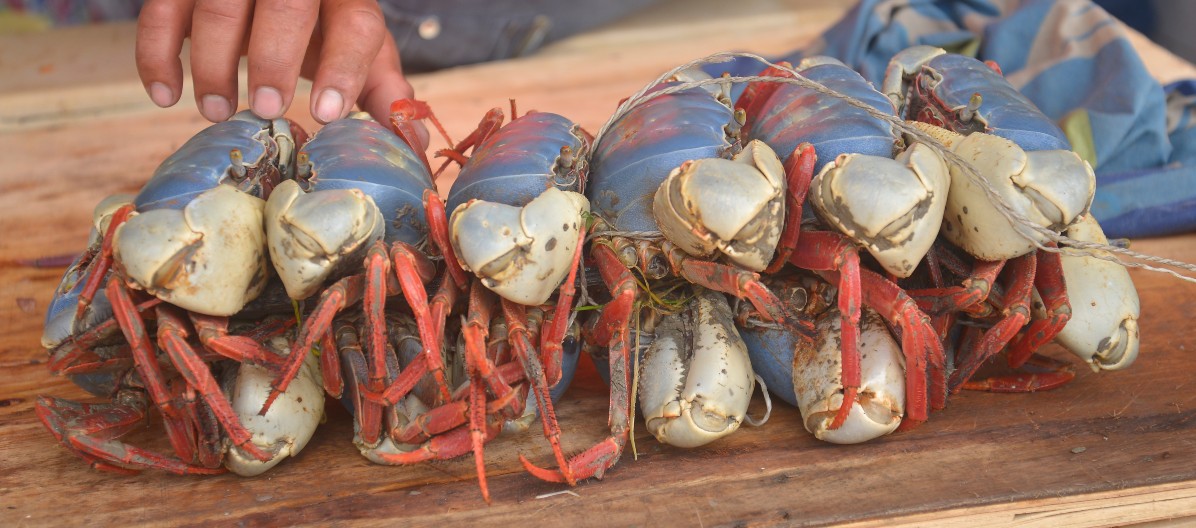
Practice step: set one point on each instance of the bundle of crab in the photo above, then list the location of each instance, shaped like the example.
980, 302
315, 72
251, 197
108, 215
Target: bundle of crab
927, 248
168, 307
250, 228
858, 253
188, 296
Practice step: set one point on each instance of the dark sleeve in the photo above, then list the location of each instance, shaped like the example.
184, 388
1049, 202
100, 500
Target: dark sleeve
435, 34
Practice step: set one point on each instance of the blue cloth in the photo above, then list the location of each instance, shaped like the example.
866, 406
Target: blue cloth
1072, 60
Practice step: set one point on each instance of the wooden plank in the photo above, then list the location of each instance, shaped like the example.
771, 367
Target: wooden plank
984, 453
987, 458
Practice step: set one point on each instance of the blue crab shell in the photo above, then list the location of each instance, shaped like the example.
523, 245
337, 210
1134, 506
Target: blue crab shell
639, 151
362, 154
771, 351
1007, 112
794, 114
515, 165
59, 324
203, 163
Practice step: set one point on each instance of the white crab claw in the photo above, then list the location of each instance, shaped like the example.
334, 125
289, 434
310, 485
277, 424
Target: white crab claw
1103, 330
902, 67
314, 235
736, 207
208, 257
396, 417
892, 207
1051, 188
101, 216
696, 379
521, 253
818, 374
288, 425
387, 446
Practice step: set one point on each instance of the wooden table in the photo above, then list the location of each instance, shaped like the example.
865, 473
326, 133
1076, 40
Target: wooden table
75, 126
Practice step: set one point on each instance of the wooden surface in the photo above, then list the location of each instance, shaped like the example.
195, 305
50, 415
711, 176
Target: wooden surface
75, 126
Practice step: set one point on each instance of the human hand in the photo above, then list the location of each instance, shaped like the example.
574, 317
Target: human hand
342, 45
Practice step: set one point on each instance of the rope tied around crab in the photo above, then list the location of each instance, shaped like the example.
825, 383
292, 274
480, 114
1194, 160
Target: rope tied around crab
1024, 226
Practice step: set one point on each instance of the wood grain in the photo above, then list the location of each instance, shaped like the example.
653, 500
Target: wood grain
986, 459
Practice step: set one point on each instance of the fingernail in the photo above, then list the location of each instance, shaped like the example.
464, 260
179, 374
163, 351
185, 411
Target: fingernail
215, 108
267, 102
329, 105
161, 94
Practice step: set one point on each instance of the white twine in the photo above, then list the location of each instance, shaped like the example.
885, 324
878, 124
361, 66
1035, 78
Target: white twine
1026, 228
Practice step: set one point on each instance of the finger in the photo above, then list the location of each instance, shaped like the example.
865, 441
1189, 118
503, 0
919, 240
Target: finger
353, 32
277, 44
161, 28
386, 84
218, 28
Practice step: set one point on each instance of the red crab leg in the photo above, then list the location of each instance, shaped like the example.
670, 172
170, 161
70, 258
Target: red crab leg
1048, 279
403, 115
516, 317
213, 334
438, 230
477, 434
553, 336
67, 357
432, 422
342, 293
441, 303
454, 414
441, 447
65, 418
172, 335
330, 367
489, 124
368, 415
401, 385
757, 94
739, 282
146, 362
120, 453
1057, 374
611, 328
99, 267
1016, 313
377, 273
823, 250
411, 266
101, 420
920, 343
475, 332
973, 291
94, 363
209, 437
799, 170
